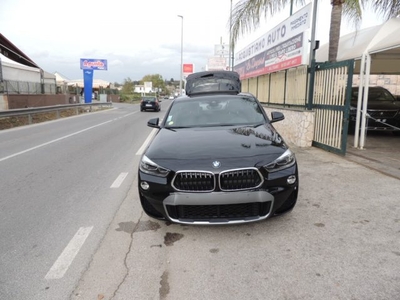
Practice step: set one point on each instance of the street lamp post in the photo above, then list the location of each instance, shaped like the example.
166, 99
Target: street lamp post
180, 81
230, 40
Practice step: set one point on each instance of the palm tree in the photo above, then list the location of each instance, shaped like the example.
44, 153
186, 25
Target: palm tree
247, 15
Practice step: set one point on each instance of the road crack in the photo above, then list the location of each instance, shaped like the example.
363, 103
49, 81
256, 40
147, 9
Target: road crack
126, 257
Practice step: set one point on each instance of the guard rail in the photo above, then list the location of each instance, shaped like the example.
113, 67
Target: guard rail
57, 108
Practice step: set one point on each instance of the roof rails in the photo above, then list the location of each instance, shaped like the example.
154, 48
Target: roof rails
212, 82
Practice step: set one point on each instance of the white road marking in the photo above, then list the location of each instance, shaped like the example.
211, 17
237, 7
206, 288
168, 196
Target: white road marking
63, 262
117, 183
53, 141
63, 137
147, 141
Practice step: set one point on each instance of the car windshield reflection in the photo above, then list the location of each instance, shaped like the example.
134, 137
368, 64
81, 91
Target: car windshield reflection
215, 112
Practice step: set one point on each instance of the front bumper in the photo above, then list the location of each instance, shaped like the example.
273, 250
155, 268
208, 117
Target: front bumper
379, 121
274, 197
218, 207
151, 107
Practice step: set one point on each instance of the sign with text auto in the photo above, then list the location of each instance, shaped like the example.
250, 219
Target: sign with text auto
281, 48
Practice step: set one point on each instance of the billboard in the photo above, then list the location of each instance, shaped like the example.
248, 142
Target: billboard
217, 63
187, 69
148, 86
221, 50
93, 64
283, 47
88, 65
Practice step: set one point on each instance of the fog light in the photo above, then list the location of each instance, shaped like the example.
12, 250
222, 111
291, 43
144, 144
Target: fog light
144, 185
291, 179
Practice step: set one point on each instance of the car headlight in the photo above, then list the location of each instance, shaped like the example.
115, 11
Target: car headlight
150, 167
284, 161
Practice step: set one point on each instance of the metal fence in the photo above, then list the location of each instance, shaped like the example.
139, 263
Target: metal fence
76, 90
286, 88
329, 98
24, 87
331, 103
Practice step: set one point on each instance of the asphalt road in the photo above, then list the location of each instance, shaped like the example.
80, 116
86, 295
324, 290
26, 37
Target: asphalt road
61, 184
340, 242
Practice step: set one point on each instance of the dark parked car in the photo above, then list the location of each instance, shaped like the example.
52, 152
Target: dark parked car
150, 103
383, 110
217, 158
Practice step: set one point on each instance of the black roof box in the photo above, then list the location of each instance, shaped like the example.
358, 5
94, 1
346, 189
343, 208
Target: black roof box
222, 82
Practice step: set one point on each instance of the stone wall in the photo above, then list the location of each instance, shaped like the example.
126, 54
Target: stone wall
297, 128
390, 82
16, 101
113, 98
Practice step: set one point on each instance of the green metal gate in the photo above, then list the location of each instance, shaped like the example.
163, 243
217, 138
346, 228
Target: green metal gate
331, 103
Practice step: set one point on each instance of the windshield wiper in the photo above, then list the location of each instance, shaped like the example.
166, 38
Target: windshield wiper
242, 125
226, 125
176, 127
258, 125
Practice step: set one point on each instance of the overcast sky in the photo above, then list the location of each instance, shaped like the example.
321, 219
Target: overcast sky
136, 37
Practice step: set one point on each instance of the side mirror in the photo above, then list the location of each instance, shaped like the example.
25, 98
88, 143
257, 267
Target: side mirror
277, 116
153, 123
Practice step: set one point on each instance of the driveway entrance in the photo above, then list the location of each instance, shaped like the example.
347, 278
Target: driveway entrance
381, 152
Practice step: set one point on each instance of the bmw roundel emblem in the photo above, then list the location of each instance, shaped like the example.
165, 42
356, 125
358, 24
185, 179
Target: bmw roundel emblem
216, 164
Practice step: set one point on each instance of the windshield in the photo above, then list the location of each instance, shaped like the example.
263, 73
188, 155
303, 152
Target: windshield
149, 99
215, 112
374, 95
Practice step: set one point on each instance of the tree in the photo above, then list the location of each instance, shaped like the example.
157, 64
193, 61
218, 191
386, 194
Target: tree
247, 15
127, 86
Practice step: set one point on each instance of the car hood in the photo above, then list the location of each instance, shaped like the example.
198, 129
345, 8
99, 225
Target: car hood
234, 147
384, 105
380, 105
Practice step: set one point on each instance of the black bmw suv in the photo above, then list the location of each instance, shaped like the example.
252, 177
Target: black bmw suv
217, 159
